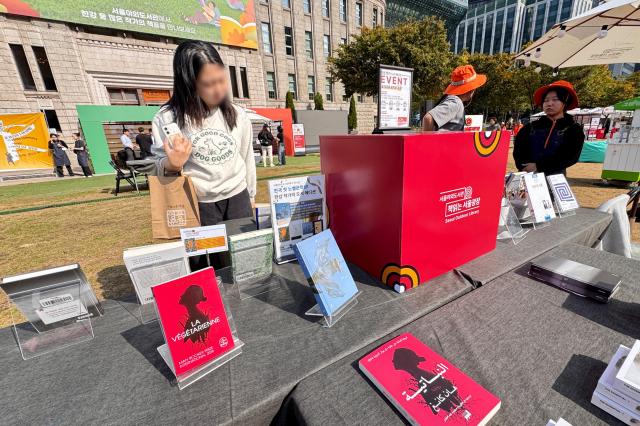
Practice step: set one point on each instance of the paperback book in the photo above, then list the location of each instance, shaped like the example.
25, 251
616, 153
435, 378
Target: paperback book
326, 271
562, 193
606, 387
538, 197
426, 388
251, 255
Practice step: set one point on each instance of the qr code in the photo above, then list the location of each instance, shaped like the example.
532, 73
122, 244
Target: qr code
563, 191
176, 218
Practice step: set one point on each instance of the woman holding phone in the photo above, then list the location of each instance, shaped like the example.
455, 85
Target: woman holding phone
205, 136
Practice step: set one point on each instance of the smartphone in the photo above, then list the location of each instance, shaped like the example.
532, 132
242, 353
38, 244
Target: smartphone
170, 129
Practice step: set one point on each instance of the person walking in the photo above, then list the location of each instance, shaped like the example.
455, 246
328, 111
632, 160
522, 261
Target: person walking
448, 114
266, 143
554, 142
282, 158
125, 138
80, 149
59, 150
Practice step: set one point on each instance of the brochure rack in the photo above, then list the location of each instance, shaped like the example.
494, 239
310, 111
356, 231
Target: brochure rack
184, 380
509, 226
52, 309
330, 320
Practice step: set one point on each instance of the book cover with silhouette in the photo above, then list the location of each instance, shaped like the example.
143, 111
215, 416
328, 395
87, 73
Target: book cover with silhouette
193, 320
426, 388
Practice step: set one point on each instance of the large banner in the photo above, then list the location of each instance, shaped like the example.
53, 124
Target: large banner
231, 22
24, 142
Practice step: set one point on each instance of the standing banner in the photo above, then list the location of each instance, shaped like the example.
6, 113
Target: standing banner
24, 142
473, 123
394, 97
298, 139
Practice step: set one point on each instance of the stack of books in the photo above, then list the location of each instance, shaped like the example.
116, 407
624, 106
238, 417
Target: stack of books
618, 390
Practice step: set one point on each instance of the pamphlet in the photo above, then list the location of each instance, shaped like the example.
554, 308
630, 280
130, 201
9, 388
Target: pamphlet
426, 388
326, 271
298, 211
562, 193
516, 193
538, 197
193, 320
59, 308
204, 239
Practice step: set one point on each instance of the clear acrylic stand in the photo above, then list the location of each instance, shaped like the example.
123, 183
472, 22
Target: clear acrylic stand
509, 226
196, 374
330, 320
559, 211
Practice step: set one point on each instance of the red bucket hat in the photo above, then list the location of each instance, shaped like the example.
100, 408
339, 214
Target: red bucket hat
538, 96
464, 79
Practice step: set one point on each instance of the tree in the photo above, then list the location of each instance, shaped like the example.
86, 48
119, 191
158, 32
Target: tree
289, 104
634, 81
421, 45
352, 120
318, 101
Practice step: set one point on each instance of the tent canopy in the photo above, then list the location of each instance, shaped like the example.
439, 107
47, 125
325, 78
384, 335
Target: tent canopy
628, 105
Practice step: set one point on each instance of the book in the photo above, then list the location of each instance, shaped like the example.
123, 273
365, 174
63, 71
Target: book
426, 388
298, 211
615, 409
154, 264
251, 255
605, 383
326, 271
516, 192
263, 216
193, 320
562, 193
538, 197
627, 379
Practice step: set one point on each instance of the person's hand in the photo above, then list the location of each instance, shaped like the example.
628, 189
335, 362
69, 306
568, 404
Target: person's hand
178, 152
253, 203
530, 167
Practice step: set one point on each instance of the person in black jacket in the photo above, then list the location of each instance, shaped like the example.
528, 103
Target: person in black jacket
554, 142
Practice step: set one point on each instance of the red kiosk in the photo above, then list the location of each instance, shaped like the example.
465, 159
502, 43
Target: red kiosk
409, 207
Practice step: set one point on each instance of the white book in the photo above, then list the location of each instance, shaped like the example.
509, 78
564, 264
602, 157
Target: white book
627, 379
562, 193
616, 410
154, 264
538, 196
605, 383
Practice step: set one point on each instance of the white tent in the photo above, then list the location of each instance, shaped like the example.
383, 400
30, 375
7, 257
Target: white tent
257, 118
606, 34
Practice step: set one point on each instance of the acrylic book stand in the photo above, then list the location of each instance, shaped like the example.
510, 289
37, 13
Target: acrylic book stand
509, 226
331, 319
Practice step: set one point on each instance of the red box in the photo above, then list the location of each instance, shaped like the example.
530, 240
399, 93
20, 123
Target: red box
407, 208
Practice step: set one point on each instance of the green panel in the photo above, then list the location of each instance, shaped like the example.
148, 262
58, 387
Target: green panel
628, 105
92, 117
620, 175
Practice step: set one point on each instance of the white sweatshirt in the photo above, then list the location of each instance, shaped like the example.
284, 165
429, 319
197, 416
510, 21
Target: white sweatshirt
221, 164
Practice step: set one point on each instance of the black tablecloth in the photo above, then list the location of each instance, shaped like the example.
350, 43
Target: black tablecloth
539, 349
584, 228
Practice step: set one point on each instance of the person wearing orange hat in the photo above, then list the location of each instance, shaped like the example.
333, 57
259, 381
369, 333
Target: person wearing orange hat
554, 142
448, 114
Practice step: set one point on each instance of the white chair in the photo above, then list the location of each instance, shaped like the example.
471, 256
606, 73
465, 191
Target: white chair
617, 239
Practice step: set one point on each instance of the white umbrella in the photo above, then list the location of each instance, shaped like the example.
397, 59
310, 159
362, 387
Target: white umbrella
607, 34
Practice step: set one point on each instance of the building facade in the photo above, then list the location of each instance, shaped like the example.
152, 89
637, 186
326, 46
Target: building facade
53, 66
451, 11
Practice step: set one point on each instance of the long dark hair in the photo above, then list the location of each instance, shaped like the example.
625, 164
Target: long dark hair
188, 60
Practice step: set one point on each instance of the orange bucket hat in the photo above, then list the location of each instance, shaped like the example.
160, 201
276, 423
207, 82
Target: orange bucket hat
538, 96
464, 79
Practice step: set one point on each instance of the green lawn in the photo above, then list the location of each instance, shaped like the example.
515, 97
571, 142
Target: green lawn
93, 231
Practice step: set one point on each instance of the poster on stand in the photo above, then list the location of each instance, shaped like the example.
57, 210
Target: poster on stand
298, 211
298, 139
394, 97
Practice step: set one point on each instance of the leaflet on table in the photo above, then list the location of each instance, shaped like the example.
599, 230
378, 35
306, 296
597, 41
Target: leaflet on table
538, 197
59, 308
605, 383
204, 239
562, 193
327, 272
426, 388
298, 211
193, 320
627, 379
154, 264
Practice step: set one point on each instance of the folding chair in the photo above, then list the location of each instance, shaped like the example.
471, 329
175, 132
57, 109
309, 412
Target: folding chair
129, 176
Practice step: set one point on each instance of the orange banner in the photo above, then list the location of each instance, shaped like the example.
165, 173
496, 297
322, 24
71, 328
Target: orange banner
24, 142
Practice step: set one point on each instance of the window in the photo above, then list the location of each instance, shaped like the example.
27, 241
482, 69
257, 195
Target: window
553, 13
565, 10
123, 96
508, 31
360, 98
328, 90
381, 19
286, 4
343, 40
539, 25
488, 31
325, 8
234, 81
359, 14
45, 69
498, 32
288, 40
266, 38
306, 6
51, 118
244, 82
469, 41
374, 18
311, 86
292, 86
326, 46
343, 10
23, 67
271, 85
308, 44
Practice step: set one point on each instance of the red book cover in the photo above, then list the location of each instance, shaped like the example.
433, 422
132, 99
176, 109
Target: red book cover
193, 320
425, 387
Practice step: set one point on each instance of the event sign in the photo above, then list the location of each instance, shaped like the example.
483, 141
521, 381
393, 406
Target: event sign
24, 142
394, 97
231, 22
297, 212
298, 139
473, 123
204, 239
